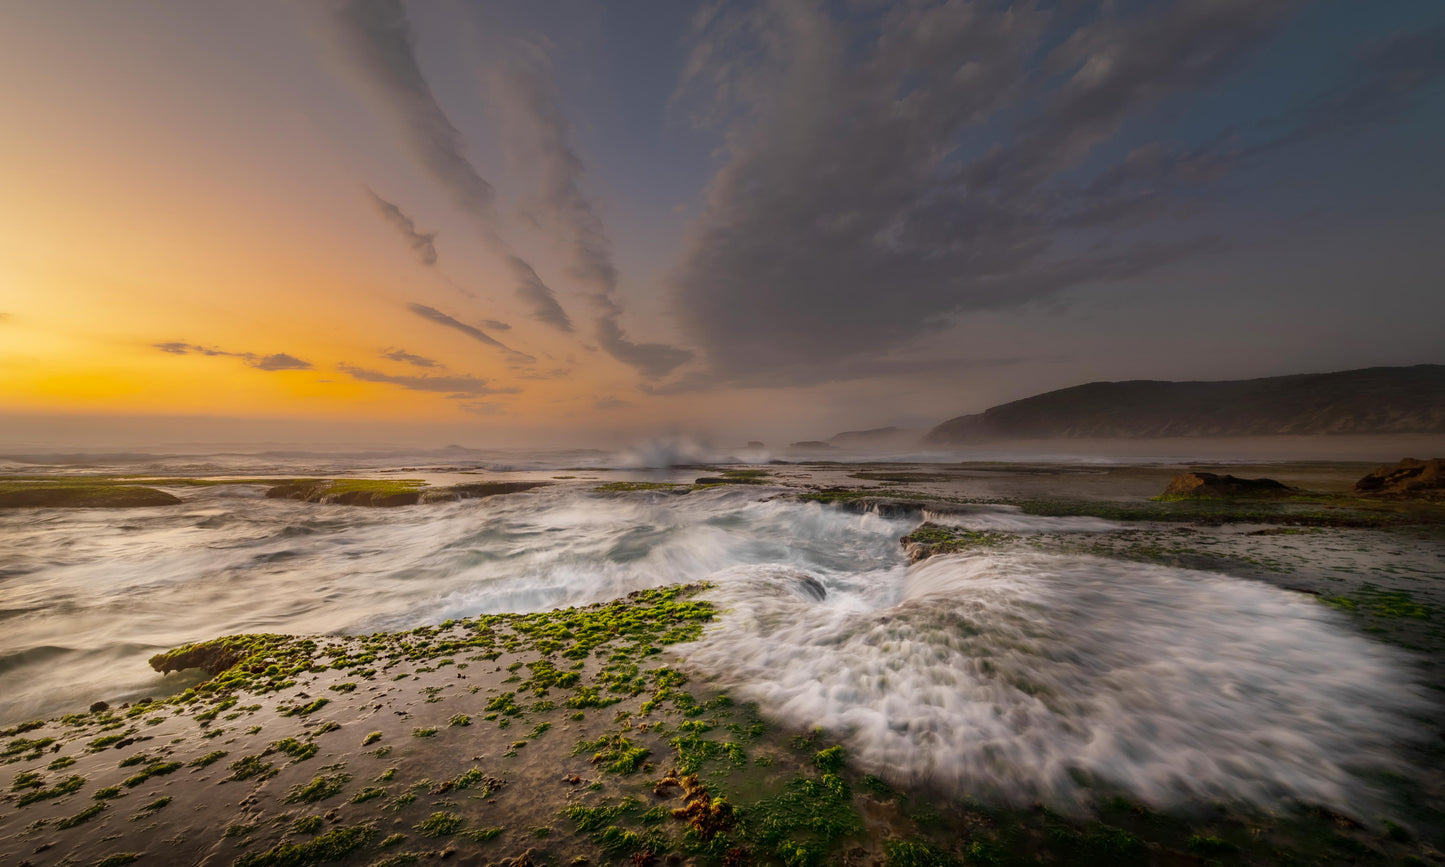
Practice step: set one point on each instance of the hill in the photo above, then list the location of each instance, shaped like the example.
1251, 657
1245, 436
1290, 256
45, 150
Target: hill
1375, 400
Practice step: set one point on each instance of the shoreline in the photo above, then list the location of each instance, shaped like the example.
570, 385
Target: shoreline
312, 785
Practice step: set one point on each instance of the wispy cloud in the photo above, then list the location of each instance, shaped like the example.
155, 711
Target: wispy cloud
280, 361
541, 137
273, 362
431, 314
407, 358
375, 39
457, 386
535, 294
652, 360
421, 242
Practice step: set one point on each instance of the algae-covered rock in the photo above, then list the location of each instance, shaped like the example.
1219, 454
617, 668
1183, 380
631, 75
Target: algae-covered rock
1208, 486
1408, 478
82, 496
389, 492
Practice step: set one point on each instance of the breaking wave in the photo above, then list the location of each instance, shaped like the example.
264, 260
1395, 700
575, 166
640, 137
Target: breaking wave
1035, 678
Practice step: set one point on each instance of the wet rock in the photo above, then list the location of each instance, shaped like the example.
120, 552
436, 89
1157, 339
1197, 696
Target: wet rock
99, 496
99, 706
1410, 478
1209, 486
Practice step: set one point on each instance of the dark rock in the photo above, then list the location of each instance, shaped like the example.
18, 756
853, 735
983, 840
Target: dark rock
1410, 478
754, 444
1208, 486
99, 706
810, 444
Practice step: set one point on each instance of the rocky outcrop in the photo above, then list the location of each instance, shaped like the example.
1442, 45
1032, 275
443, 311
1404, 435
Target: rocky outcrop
1209, 486
384, 494
1409, 479
1377, 400
101, 496
879, 437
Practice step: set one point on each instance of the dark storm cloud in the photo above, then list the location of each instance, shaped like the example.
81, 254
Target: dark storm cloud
407, 358
421, 243
431, 314
273, 362
527, 97
888, 174
538, 297
459, 386
375, 38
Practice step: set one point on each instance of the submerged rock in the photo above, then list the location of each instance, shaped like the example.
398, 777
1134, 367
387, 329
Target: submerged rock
1209, 486
1408, 478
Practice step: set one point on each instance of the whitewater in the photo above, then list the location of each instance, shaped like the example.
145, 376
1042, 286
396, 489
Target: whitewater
1007, 674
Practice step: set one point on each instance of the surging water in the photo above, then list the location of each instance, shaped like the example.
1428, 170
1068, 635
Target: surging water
1021, 676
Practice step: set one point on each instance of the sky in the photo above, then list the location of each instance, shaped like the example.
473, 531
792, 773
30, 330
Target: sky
562, 222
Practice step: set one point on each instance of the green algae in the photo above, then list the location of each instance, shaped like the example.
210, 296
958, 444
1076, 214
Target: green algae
68, 786
318, 789
80, 818
628, 487
440, 824
335, 845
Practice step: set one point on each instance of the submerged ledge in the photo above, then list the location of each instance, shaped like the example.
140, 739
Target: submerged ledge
562, 737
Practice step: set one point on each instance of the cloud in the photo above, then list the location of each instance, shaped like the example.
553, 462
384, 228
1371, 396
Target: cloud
458, 386
1385, 78
280, 361
887, 174
421, 243
540, 136
610, 402
274, 362
538, 297
407, 358
652, 360
374, 38
496, 326
431, 314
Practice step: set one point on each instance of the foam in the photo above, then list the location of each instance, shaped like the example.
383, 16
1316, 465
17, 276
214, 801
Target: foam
1028, 677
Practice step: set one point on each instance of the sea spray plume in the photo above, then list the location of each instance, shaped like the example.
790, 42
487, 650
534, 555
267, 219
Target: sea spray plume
1028, 678
376, 41
665, 452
